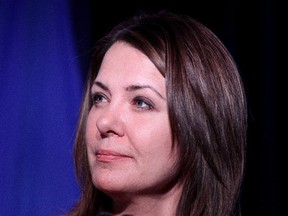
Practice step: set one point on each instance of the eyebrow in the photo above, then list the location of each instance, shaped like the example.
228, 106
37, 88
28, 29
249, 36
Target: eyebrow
102, 86
130, 88
137, 87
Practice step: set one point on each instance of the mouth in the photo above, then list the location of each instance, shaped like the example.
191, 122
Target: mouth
109, 156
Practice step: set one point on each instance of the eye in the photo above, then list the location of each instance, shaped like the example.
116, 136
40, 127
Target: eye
143, 103
98, 98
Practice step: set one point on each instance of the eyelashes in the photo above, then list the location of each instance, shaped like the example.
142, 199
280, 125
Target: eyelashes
138, 102
98, 98
143, 103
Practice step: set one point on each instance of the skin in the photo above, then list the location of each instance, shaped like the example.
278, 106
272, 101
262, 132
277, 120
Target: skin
128, 135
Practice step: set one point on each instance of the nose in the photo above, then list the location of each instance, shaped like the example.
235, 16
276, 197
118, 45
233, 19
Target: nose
110, 122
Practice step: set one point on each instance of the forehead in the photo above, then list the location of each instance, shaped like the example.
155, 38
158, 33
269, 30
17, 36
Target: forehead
123, 60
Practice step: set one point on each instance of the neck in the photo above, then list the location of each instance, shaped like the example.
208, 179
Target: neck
164, 204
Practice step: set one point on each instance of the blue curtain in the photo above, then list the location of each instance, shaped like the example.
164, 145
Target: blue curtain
40, 95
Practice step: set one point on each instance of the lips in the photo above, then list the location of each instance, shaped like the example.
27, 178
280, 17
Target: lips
109, 156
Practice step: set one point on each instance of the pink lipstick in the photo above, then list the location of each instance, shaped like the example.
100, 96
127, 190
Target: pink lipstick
109, 156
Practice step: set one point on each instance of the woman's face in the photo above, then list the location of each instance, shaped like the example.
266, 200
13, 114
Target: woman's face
128, 133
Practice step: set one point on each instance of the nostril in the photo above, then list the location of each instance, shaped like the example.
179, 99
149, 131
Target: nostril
103, 135
107, 134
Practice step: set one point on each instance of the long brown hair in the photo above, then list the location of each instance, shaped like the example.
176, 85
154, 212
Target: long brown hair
206, 105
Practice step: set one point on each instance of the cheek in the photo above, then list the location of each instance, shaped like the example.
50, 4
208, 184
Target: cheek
152, 136
88, 128
156, 157
91, 129
89, 124
90, 138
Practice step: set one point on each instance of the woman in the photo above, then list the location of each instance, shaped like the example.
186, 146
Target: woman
162, 129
